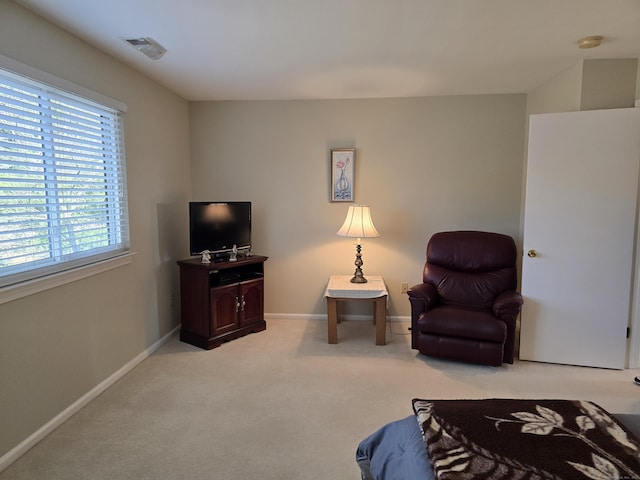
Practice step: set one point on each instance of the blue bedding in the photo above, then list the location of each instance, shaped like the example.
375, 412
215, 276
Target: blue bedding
395, 452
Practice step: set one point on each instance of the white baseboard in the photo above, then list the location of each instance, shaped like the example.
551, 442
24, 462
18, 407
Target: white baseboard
24, 446
323, 317
294, 316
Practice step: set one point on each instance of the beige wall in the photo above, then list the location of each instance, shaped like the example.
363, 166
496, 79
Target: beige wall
608, 83
57, 345
422, 164
638, 82
588, 85
561, 93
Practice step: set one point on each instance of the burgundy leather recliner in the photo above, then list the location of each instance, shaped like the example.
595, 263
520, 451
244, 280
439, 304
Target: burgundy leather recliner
466, 308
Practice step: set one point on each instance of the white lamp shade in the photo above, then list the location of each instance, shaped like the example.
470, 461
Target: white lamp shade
358, 223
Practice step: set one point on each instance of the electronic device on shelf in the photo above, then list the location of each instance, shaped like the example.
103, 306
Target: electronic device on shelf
219, 227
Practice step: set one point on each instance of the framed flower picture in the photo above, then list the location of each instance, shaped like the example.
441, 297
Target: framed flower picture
342, 174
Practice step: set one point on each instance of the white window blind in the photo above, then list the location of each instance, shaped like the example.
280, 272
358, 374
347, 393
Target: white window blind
63, 200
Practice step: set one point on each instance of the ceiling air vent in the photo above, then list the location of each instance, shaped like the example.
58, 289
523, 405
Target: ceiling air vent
148, 46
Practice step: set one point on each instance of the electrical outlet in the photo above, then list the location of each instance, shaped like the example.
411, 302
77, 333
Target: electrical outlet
172, 300
404, 286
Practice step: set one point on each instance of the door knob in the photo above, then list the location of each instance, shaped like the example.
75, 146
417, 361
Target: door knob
532, 253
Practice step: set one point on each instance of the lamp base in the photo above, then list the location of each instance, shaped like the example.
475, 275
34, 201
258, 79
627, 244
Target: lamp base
358, 279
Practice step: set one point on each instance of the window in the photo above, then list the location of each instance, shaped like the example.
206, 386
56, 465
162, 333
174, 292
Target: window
63, 200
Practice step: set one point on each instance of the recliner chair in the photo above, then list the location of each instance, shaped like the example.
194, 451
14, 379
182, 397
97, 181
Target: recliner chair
466, 308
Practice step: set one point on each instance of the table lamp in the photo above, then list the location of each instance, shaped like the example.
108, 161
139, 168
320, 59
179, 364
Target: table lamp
359, 225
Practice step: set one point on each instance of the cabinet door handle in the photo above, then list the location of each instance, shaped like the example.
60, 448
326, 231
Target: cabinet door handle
237, 305
243, 303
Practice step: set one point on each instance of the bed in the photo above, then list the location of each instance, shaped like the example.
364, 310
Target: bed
504, 439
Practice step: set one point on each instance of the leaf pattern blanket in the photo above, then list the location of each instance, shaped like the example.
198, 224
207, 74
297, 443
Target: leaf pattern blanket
510, 439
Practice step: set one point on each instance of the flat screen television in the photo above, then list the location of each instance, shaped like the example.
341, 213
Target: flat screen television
218, 226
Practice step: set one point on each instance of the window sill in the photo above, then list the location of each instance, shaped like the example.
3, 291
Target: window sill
19, 290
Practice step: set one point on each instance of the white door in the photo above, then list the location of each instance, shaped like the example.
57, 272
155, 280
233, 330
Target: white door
579, 228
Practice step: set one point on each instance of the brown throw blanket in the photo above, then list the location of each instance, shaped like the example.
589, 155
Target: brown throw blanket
510, 439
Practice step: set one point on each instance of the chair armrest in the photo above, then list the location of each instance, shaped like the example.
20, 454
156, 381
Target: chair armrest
422, 297
508, 305
423, 293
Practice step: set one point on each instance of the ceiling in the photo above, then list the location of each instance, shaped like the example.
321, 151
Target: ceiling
310, 49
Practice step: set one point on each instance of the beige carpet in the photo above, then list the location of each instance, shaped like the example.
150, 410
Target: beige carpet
281, 404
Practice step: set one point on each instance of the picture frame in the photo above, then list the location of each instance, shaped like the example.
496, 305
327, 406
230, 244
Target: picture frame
342, 174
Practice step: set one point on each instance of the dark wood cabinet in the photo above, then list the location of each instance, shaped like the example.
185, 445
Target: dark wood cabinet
221, 301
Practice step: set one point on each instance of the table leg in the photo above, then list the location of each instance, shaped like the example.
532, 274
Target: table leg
332, 319
380, 317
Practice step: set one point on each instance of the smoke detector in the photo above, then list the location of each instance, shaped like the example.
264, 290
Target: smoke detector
148, 46
590, 42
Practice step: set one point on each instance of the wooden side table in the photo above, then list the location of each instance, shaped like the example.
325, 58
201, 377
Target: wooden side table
340, 288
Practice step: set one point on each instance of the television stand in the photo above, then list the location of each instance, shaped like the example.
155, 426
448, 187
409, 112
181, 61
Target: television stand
222, 300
